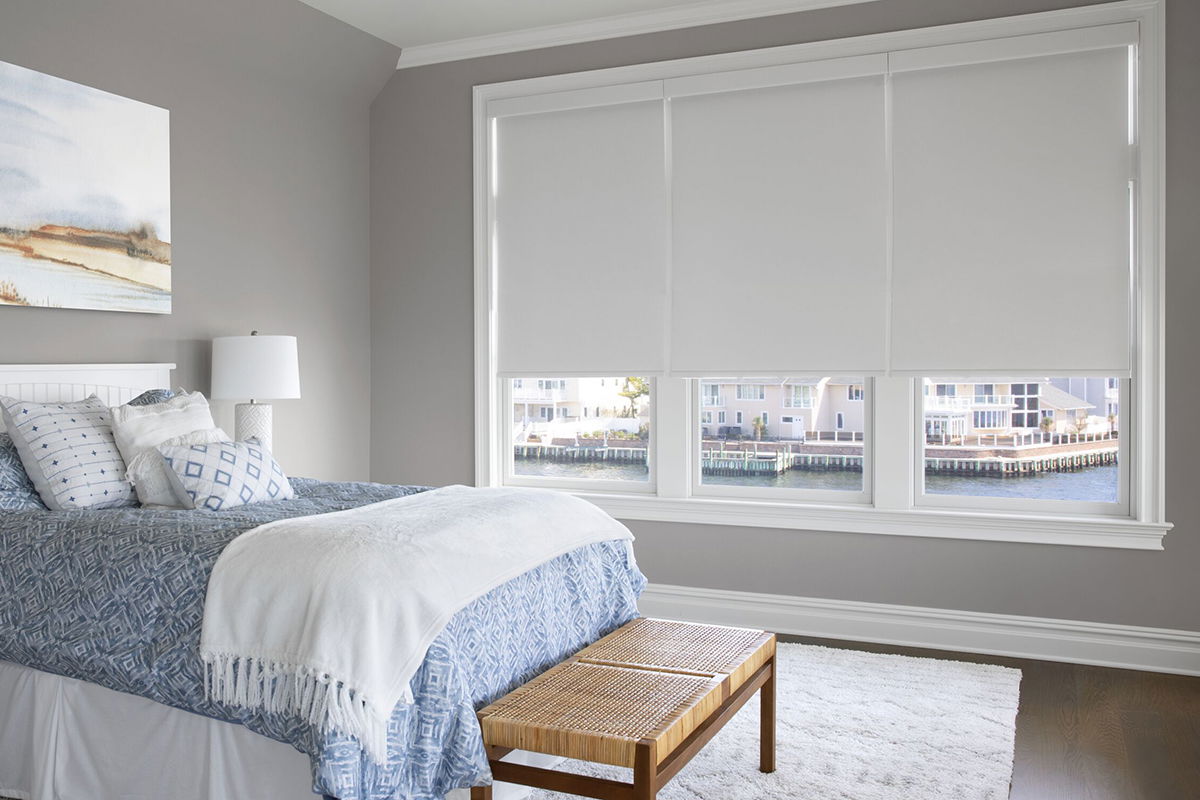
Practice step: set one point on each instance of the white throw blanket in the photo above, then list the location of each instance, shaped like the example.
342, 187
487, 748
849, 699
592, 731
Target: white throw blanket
329, 616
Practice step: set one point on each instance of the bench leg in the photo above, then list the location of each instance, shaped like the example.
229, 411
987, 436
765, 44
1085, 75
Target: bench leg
481, 793
645, 770
766, 744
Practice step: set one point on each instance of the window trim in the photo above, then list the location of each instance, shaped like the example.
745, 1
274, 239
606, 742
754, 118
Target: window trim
894, 511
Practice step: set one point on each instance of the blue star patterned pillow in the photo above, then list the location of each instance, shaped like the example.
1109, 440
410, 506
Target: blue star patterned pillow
224, 475
69, 452
16, 490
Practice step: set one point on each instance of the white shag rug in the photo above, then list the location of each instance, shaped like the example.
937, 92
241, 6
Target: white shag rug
860, 726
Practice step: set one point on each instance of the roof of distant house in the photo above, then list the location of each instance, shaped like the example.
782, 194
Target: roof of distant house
1054, 397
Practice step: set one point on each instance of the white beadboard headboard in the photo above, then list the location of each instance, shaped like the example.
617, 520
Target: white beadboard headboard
112, 383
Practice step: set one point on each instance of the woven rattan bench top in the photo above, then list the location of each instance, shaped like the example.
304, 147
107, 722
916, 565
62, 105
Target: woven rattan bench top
650, 679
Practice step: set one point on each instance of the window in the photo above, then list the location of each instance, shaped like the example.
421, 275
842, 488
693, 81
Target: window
990, 419
783, 460
751, 391
799, 396
710, 394
1027, 413
550, 444
688, 162
1042, 441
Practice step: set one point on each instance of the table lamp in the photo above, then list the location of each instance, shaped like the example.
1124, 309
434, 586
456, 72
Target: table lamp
255, 368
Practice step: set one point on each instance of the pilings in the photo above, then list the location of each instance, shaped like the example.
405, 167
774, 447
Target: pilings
1016, 467
560, 452
738, 462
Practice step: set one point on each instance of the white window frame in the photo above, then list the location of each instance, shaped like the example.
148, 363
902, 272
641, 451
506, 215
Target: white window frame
894, 508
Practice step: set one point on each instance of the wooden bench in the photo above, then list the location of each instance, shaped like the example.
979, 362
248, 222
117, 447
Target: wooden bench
648, 696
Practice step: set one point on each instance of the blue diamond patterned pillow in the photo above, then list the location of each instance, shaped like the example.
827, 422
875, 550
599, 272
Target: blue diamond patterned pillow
16, 490
224, 475
69, 453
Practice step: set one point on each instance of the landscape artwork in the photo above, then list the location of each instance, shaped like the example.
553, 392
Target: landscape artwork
85, 197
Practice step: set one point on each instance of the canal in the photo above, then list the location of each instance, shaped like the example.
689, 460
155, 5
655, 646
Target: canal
1097, 484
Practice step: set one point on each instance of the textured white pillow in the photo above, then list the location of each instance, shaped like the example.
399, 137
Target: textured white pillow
148, 472
141, 428
68, 452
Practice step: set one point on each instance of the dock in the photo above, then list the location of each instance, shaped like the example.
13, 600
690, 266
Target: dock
999, 467
734, 463
579, 453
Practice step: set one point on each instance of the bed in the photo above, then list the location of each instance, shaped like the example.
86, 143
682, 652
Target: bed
101, 685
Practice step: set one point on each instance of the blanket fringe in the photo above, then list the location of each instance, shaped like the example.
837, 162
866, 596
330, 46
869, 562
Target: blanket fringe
318, 698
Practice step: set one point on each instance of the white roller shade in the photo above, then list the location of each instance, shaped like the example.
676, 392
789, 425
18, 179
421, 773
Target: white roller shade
580, 238
779, 204
1011, 206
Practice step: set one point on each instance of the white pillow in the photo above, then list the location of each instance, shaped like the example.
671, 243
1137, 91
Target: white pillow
141, 428
148, 472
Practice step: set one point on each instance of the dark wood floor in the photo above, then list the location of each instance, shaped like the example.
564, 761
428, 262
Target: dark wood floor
1093, 733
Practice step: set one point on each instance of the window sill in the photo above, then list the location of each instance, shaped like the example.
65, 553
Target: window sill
1111, 532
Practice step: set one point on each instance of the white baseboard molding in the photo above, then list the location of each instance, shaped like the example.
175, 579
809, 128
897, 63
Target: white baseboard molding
1100, 644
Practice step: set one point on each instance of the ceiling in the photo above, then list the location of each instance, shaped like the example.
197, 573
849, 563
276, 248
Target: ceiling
415, 23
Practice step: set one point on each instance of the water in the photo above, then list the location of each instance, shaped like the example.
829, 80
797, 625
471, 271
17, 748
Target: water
588, 470
1096, 484
47, 283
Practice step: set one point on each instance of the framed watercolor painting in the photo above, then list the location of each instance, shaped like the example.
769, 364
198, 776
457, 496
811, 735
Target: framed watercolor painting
85, 197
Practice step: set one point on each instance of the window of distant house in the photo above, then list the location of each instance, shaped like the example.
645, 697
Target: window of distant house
800, 397
751, 391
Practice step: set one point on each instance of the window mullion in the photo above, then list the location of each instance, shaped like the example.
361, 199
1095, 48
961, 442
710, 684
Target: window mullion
671, 444
893, 464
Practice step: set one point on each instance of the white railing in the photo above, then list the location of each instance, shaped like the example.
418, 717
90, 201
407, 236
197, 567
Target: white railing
967, 402
1029, 439
532, 394
797, 402
712, 400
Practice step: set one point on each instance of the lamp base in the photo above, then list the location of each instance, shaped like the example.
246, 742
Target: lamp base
253, 420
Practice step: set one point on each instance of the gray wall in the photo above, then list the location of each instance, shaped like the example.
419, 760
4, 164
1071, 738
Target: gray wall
421, 321
269, 104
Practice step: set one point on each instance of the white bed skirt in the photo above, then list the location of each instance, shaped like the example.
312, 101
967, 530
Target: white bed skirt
65, 739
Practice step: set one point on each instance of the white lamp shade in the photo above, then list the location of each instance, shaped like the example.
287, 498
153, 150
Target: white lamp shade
255, 368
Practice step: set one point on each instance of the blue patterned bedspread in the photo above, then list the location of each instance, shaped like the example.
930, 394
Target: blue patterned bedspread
116, 598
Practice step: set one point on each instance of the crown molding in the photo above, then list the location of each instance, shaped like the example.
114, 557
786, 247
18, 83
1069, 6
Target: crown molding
638, 22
